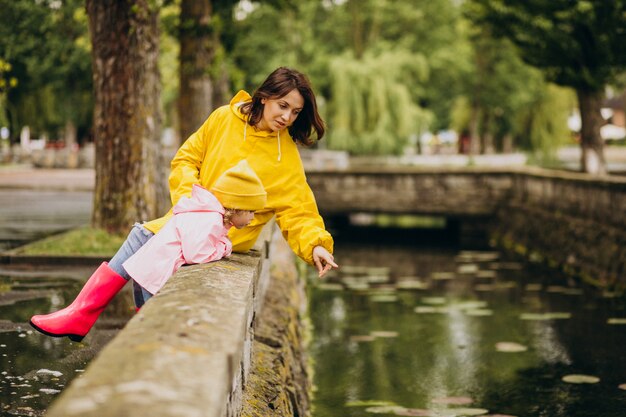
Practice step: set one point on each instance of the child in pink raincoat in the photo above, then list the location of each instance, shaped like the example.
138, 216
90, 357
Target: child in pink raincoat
197, 232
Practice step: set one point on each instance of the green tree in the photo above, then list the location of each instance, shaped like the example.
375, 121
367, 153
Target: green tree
577, 43
321, 37
498, 88
46, 45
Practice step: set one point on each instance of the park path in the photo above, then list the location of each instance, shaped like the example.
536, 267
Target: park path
26, 177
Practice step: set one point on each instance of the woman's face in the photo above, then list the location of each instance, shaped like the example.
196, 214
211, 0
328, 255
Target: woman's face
280, 113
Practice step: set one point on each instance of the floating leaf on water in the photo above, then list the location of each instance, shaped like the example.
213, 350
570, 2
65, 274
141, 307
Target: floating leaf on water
377, 270
362, 338
440, 276
369, 403
358, 286
510, 347
384, 298
469, 305
478, 256
431, 310
479, 312
412, 285
545, 316
434, 300
330, 287
415, 412
580, 379
533, 287
452, 400
616, 320
454, 412
377, 279
353, 269
467, 269
384, 409
622, 386
383, 333
382, 290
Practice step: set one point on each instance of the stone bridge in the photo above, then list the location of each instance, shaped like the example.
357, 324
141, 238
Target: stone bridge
445, 192
570, 220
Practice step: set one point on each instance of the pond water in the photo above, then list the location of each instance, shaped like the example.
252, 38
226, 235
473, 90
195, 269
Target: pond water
35, 368
404, 329
27, 215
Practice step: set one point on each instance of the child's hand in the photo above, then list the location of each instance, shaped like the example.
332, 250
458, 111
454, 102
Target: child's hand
323, 260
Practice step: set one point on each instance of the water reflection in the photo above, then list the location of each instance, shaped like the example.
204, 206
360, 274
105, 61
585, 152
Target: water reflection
449, 309
35, 368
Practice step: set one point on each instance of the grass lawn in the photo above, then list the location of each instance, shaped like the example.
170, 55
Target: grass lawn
84, 241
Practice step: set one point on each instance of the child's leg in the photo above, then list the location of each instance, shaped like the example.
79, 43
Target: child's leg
76, 320
137, 237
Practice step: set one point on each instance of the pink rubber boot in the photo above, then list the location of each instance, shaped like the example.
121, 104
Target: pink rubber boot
75, 320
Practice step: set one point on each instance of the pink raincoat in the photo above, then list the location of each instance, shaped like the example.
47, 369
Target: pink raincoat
194, 235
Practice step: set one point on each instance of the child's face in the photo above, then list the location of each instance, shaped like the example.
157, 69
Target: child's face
242, 219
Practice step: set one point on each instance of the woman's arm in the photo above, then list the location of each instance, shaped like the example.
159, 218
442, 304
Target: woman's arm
301, 224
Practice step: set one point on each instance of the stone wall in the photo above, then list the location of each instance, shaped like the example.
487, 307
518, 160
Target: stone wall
570, 221
186, 353
278, 384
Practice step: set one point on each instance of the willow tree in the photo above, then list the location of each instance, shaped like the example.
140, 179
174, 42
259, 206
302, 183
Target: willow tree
577, 43
127, 121
373, 111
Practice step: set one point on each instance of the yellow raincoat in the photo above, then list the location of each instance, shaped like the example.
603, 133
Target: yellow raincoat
223, 140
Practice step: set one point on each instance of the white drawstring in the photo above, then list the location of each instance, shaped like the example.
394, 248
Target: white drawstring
245, 128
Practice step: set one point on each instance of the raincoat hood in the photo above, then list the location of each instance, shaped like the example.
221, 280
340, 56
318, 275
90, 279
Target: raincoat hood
201, 200
239, 100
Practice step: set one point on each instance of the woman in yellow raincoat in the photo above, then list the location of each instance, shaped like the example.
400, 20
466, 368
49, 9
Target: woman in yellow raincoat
264, 129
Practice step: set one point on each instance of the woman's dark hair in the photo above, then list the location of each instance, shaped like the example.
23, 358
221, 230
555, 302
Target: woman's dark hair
278, 84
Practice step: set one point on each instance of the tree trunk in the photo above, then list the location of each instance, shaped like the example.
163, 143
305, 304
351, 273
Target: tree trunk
130, 182
474, 145
221, 86
592, 145
486, 136
357, 28
197, 51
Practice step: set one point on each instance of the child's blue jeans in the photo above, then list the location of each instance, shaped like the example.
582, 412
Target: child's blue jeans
137, 237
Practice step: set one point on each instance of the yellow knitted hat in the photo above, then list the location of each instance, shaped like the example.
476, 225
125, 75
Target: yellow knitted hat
240, 188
